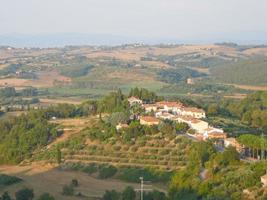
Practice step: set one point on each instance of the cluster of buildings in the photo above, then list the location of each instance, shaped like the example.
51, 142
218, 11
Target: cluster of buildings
176, 111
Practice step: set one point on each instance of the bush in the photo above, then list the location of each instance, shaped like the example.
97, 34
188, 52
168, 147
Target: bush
107, 172
133, 174
67, 190
117, 148
111, 195
134, 148
5, 196
90, 169
6, 180
74, 183
24, 194
46, 196
128, 194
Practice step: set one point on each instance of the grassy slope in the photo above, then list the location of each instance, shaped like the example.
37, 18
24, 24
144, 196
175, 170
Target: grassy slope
246, 72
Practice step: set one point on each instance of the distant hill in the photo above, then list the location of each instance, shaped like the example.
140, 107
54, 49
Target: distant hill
245, 72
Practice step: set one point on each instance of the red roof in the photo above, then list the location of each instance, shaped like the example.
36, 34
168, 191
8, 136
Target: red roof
170, 104
193, 109
149, 119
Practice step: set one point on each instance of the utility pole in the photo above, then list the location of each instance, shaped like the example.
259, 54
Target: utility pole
143, 187
262, 145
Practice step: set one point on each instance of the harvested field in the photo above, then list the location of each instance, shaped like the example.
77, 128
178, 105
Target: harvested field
49, 178
45, 79
251, 87
13, 82
59, 101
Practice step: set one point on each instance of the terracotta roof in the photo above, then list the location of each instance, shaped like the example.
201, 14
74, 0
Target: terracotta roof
149, 119
231, 139
193, 109
149, 105
170, 104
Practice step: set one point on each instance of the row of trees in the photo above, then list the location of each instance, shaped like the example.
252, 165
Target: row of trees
145, 95
26, 194
129, 194
11, 92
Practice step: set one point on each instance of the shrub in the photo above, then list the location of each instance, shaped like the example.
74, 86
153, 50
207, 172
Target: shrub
6, 180
128, 194
133, 174
117, 148
74, 183
90, 169
46, 196
24, 194
68, 190
111, 195
5, 196
134, 148
107, 172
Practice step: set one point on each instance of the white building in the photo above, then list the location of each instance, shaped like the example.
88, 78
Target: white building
150, 107
165, 115
170, 106
193, 112
198, 125
135, 101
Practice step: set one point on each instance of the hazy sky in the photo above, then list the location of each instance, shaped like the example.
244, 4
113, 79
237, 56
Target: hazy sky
145, 18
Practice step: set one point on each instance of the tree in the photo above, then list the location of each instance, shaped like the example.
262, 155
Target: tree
46, 196
58, 155
118, 117
24, 194
5, 196
128, 194
213, 109
111, 195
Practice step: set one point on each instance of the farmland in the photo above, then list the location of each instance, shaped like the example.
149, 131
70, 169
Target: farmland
48, 178
95, 71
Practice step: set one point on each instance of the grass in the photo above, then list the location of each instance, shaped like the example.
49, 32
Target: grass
48, 178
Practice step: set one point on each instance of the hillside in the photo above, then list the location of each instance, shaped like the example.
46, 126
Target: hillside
94, 71
245, 72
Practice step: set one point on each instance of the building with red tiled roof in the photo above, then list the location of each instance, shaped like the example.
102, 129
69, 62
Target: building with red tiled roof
214, 133
170, 105
149, 121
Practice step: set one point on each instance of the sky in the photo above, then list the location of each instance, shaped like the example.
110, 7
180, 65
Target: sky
181, 19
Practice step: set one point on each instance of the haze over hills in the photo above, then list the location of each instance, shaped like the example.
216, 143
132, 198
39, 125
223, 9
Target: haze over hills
44, 40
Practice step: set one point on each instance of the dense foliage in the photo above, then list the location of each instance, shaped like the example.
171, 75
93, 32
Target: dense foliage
177, 75
251, 111
76, 67
20, 136
6, 180
246, 72
144, 95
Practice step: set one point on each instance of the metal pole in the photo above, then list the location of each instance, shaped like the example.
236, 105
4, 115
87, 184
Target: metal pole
262, 146
142, 187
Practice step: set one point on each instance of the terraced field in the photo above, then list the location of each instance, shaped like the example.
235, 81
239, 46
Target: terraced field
157, 153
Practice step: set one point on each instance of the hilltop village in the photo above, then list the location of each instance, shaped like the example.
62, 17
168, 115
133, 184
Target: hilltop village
178, 112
